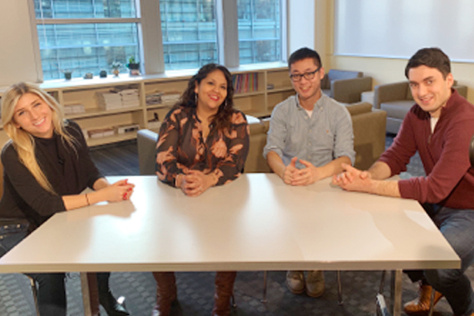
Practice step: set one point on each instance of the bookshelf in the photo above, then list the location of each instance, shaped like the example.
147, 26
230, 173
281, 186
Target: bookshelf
261, 88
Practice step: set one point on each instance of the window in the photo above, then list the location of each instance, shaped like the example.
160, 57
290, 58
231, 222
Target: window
89, 35
259, 23
189, 33
85, 35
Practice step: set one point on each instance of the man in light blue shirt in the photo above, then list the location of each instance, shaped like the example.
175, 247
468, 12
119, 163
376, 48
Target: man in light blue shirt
310, 136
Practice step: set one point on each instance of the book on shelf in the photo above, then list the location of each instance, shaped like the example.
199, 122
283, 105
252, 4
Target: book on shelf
118, 98
170, 97
153, 98
162, 98
101, 132
74, 109
127, 128
244, 83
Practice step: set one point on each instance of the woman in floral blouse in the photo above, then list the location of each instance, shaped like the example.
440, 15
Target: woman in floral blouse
203, 142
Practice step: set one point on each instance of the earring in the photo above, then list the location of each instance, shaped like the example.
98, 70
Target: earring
195, 98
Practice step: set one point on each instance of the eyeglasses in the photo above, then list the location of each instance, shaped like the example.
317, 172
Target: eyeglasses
306, 75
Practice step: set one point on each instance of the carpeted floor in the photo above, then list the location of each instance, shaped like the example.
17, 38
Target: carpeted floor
195, 290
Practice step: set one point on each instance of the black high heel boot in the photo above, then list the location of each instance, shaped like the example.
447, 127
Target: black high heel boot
106, 298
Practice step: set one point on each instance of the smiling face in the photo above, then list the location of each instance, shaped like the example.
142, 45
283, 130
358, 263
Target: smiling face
309, 91
33, 115
211, 91
430, 89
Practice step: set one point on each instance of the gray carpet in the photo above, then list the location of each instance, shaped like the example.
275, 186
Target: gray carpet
195, 290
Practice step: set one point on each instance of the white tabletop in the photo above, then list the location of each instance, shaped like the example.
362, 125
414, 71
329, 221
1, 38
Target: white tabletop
254, 223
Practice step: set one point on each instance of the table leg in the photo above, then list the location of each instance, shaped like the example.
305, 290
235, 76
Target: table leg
85, 294
397, 292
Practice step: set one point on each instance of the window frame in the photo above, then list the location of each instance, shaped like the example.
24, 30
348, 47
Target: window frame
150, 37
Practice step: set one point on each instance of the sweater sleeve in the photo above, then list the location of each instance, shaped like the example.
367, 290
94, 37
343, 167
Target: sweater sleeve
26, 186
449, 169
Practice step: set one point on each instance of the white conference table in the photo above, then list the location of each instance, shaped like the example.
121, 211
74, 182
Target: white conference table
254, 223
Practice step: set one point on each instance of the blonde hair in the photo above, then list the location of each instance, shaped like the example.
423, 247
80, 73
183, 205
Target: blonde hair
24, 142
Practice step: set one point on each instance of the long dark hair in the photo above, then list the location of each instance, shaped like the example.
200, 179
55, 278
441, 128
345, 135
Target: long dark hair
223, 116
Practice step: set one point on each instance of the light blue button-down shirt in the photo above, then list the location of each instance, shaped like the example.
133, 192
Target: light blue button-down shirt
319, 139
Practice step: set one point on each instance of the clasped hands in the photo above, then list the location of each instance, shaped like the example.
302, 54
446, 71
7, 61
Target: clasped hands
294, 176
194, 182
118, 191
352, 179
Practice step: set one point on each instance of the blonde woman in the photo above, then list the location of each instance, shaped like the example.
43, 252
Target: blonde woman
46, 167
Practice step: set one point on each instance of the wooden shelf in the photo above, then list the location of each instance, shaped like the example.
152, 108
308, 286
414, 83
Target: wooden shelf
257, 103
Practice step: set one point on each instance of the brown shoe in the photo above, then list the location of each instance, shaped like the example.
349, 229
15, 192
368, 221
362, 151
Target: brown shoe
224, 283
166, 293
421, 305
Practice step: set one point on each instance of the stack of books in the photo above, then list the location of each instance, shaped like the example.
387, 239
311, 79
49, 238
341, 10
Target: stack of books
130, 98
170, 98
154, 98
109, 100
74, 109
101, 132
118, 98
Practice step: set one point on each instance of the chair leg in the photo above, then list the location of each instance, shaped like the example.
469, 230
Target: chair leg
264, 297
433, 291
339, 288
34, 291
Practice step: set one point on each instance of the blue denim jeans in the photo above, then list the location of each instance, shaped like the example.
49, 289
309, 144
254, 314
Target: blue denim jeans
457, 226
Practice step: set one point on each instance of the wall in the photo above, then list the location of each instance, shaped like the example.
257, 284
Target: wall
387, 70
301, 24
17, 59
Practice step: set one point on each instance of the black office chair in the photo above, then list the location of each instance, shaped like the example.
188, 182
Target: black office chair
471, 151
7, 229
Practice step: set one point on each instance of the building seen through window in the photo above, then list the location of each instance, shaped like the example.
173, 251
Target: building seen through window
89, 35
189, 33
84, 47
259, 31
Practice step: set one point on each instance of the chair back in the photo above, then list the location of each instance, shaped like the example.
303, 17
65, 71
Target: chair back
471, 151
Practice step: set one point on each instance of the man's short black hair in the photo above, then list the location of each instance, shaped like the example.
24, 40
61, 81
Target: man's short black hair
430, 57
304, 53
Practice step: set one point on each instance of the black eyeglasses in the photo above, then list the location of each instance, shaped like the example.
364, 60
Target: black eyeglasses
306, 75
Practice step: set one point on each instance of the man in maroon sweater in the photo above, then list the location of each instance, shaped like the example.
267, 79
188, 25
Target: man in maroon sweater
439, 126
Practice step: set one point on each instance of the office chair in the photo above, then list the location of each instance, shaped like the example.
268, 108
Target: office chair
8, 228
471, 151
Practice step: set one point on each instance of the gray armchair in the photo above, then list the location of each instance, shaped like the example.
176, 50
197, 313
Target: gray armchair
396, 100
345, 86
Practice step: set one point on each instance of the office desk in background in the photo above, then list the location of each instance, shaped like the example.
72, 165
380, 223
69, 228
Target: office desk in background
254, 223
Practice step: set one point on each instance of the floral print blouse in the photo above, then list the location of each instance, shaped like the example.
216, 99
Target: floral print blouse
181, 147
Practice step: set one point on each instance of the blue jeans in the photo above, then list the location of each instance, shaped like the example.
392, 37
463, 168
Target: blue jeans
457, 226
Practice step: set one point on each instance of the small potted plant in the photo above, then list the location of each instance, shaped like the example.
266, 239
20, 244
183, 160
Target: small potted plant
116, 65
67, 74
133, 66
